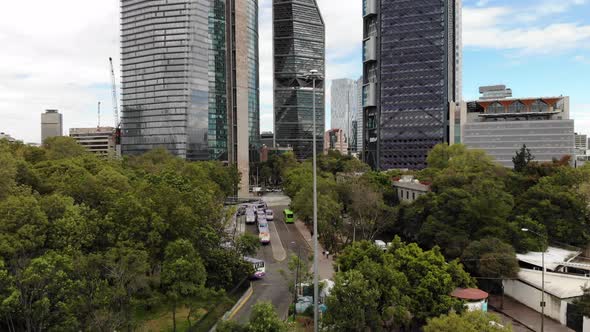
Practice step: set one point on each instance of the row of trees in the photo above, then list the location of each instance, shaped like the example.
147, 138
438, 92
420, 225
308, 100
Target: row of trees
474, 213
89, 243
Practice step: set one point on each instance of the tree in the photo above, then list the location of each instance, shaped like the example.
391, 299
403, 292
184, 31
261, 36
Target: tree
491, 258
370, 215
62, 147
247, 244
264, 318
352, 305
412, 285
183, 275
475, 321
522, 159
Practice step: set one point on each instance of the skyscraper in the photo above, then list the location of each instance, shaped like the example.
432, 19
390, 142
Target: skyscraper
51, 124
343, 107
359, 116
299, 46
190, 79
412, 76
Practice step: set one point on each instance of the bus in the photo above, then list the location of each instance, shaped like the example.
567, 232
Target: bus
289, 217
258, 265
250, 216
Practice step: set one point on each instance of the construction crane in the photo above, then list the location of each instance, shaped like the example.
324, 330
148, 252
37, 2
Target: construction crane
116, 111
115, 102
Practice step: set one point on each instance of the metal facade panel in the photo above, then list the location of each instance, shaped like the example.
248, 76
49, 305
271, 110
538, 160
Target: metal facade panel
299, 46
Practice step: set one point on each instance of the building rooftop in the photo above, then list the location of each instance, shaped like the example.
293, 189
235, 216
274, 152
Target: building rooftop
554, 257
470, 294
563, 286
409, 182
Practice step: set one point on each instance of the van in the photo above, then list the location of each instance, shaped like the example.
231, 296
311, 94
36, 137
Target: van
289, 216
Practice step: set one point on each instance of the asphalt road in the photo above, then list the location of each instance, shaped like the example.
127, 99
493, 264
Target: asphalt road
274, 287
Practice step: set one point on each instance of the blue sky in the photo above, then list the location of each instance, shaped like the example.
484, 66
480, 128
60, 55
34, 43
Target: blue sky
54, 59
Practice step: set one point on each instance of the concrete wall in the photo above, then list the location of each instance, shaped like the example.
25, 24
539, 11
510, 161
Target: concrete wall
586, 324
531, 297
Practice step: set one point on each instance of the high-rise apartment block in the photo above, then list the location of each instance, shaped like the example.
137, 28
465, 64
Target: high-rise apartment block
51, 124
411, 79
190, 79
299, 46
501, 127
98, 140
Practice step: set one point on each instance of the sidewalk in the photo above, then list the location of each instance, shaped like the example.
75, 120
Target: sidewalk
325, 265
525, 315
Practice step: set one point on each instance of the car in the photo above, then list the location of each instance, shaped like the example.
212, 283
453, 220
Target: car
261, 218
270, 215
381, 244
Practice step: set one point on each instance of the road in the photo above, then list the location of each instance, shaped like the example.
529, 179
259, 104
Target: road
274, 287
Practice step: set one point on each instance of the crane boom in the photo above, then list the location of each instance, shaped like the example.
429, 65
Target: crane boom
115, 100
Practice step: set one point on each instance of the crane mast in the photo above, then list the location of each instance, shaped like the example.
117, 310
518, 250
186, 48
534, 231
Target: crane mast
115, 100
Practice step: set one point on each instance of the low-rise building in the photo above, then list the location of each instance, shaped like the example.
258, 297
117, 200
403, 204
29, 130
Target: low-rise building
335, 139
409, 189
98, 140
560, 291
501, 127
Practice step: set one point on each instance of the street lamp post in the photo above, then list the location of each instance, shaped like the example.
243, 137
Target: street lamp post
314, 75
542, 278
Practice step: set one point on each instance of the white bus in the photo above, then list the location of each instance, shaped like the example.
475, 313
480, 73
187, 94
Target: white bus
259, 267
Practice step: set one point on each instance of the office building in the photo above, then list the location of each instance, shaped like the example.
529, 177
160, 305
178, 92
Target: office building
299, 46
581, 142
343, 108
98, 140
335, 139
190, 79
358, 122
51, 124
501, 127
411, 77
494, 92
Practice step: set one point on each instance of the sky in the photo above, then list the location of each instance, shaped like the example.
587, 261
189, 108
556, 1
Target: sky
56, 57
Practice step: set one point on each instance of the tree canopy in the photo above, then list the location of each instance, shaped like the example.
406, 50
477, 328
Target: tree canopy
87, 242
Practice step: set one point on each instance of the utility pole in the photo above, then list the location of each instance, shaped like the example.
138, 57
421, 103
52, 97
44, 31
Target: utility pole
314, 75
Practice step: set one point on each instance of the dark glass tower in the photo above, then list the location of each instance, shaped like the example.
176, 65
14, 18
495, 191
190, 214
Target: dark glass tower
299, 46
412, 76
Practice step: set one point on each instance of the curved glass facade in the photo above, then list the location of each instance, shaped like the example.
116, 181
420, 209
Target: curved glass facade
164, 77
299, 46
182, 77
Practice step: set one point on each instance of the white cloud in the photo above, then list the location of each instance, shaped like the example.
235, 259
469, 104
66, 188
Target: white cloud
508, 28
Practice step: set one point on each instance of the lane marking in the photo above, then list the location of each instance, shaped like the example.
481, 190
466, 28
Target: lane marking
244, 300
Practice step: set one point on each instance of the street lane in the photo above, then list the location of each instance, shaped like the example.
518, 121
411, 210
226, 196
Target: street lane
274, 287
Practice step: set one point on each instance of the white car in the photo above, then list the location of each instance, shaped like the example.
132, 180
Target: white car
270, 215
382, 245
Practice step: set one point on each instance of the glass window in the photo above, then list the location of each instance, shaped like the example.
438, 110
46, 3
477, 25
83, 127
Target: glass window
496, 108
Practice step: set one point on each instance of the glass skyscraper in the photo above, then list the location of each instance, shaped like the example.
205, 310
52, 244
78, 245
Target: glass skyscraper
190, 79
412, 76
299, 46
